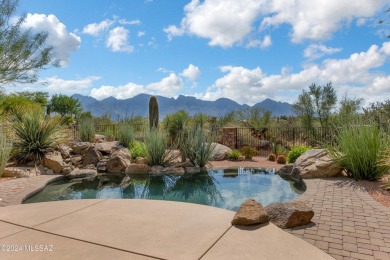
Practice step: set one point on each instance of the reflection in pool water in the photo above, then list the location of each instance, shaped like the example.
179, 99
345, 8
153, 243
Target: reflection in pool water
227, 188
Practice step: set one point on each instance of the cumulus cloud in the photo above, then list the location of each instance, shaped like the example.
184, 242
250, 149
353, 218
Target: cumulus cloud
256, 43
117, 40
95, 29
63, 42
192, 72
223, 22
318, 19
316, 51
229, 22
131, 22
252, 85
168, 86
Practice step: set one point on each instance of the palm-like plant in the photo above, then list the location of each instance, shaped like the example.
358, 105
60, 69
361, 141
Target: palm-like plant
198, 146
36, 135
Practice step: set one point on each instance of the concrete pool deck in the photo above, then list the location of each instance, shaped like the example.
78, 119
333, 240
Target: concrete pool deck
348, 223
140, 229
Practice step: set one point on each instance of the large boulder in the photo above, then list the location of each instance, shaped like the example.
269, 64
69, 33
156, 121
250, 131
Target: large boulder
290, 172
156, 169
106, 147
290, 214
316, 163
137, 168
250, 212
78, 147
91, 156
54, 161
220, 152
100, 138
65, 151
119, 160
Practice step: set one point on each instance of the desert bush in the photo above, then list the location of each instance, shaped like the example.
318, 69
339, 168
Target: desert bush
138, 149
87, 130
126, 135
156, 147
248, 152
280, 149
296, 151
234, 155
198, 146
272, 157
5, 149
360, 149
281, 159
36, 135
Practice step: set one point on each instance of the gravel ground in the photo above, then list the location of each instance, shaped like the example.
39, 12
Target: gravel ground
375, 189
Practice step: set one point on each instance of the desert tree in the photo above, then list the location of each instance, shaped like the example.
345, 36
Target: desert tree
22, 52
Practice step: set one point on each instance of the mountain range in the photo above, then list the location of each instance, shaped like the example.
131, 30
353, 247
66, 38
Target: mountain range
138, 106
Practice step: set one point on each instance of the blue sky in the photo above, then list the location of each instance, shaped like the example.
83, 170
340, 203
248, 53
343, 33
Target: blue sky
245, 50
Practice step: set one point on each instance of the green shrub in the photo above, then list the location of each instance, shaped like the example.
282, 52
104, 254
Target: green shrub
360, 149
234, 155
248, 152
36, 135
5, 150
125, 135
87, 130
295, 152
138, 149
198, 146
156, 146
280, 149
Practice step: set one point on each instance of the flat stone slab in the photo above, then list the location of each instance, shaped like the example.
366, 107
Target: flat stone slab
30, 215
265, 241
60, 248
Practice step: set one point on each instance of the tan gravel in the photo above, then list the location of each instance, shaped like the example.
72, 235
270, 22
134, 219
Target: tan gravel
375, 189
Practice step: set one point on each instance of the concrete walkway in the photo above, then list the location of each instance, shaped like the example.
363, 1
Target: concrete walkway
139, 229
348, 223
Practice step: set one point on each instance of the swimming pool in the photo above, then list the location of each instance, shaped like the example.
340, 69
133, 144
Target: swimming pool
223, 188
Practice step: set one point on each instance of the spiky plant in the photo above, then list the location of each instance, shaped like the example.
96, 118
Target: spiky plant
87, 130
36, 135
5, 149
157, 150
126, 135
198, 146
153, 113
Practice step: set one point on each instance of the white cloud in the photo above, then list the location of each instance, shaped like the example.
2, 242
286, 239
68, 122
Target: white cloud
117, 40
223, 22
95, 29
229, 22
131, 22
252, 85
168, 86
318, 19
316, 51
192, 72
63, 42
256, 43
140, 34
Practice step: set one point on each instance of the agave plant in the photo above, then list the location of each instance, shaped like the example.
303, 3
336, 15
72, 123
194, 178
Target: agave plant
36, 135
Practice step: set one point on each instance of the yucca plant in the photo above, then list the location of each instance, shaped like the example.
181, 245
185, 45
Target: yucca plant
157, 150
87, 130
36, 135
198, 146
5, 149
359, 150
126, 135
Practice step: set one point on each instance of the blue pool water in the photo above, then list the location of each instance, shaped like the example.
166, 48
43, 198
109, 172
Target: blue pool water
227, 188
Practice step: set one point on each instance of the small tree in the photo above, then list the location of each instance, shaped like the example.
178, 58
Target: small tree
318, 102
65, 105
22, 53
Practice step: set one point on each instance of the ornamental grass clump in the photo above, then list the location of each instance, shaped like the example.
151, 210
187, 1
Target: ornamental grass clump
156, 147
87, 130
5, 149
36, 134
198, 146
126, 135
359, 150
234, 155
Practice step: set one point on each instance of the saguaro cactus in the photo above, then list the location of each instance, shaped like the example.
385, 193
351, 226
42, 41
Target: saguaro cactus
153, 113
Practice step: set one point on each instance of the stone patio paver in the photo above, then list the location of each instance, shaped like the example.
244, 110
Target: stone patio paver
348, 223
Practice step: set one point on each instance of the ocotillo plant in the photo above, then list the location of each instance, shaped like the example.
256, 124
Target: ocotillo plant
153, 113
